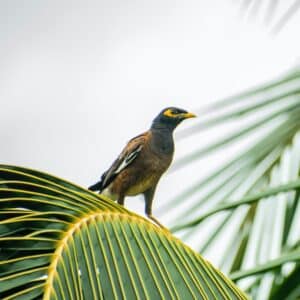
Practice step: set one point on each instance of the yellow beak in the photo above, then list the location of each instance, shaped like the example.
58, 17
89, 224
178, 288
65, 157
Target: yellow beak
188, 115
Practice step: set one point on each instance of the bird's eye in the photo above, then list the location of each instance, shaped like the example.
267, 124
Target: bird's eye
175, 111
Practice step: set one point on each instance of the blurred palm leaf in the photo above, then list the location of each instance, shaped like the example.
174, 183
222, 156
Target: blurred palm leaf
273, 12
244, 214
60, 241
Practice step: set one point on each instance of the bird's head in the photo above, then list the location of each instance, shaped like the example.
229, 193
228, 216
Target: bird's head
170, 117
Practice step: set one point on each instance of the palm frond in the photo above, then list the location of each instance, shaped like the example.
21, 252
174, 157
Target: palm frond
273, 12
246, 209
60, 241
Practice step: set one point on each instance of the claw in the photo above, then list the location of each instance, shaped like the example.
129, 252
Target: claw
157, 222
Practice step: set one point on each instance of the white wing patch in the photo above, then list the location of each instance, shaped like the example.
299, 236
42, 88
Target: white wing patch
129, 159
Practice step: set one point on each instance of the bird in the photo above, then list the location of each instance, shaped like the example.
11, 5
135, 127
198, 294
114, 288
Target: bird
145, 158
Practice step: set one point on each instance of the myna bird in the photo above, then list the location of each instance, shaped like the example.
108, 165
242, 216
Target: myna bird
142, 162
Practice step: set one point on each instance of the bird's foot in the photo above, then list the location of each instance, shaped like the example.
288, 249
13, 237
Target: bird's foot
158, 223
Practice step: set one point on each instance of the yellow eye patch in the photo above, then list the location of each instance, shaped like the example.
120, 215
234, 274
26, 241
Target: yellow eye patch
169, 113
181, 115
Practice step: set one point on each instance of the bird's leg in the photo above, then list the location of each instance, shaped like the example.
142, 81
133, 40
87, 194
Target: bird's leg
149, 194
121, 200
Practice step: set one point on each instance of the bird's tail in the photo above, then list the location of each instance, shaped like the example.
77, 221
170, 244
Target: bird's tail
96, 187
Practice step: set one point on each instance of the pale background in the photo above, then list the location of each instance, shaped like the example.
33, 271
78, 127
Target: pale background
80, 78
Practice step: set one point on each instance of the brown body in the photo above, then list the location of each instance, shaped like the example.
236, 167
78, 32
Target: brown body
143, 174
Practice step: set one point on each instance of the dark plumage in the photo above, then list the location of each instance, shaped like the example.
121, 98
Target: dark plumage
142, 162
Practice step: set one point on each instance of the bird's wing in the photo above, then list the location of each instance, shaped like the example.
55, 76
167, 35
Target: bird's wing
127, 156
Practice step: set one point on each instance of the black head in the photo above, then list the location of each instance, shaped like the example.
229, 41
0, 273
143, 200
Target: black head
170, 117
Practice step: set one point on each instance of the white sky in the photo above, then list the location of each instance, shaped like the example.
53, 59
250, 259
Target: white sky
80, 78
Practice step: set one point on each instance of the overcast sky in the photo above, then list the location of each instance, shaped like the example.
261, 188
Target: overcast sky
80, 78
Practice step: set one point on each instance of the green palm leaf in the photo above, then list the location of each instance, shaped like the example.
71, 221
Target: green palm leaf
60, 241
246, 208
